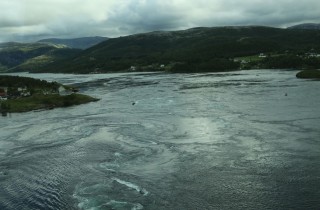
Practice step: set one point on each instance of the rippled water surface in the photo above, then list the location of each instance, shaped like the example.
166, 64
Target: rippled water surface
238, 140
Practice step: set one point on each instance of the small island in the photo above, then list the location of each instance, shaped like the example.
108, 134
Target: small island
309, 74
23, 94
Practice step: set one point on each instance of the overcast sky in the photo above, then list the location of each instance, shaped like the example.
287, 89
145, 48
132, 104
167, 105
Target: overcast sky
35, 19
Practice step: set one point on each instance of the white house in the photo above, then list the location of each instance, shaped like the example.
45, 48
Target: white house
262, 55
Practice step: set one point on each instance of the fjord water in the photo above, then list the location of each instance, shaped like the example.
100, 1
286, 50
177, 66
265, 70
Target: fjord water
236, 140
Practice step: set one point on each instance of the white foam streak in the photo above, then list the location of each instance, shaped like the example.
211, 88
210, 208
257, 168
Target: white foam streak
133, 186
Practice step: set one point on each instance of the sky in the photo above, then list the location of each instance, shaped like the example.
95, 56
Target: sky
31, 20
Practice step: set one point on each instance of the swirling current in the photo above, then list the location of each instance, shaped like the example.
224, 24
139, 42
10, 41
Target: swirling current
235, 140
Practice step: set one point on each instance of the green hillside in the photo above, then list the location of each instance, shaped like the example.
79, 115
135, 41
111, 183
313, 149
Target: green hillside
197, 49
31, 56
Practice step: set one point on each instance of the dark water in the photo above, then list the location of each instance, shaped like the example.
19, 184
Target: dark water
240, 140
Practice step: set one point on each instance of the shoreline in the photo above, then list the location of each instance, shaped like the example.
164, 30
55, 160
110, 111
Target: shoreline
44, 102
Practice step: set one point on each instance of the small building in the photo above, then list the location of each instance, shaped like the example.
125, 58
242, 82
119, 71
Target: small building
25, 93
22, 89
3, 93
262, 55
3, 90
62, 91
3, 98
133, 68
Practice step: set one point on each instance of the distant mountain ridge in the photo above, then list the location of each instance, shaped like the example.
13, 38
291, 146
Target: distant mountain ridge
306, 26
76, 43
202, 47
16, 56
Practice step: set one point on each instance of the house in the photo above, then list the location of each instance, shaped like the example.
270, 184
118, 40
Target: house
262, 55
3, 90
133, 68
63, 91
22, 89
25, 93
3, 93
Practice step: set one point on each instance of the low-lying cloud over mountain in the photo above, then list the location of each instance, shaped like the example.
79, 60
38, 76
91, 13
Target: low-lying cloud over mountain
34, 19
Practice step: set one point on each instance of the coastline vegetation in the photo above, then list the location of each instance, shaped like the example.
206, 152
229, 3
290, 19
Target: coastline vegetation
22, 94
309, 74
38, 102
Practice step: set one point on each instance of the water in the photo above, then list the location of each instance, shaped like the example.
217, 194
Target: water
238, 140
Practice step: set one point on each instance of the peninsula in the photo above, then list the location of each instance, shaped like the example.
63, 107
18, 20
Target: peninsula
22, 94
309, 74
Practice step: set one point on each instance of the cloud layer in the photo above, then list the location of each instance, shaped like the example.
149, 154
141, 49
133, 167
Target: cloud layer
34, 19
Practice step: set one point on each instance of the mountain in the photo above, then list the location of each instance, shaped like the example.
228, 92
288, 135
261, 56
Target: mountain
31, 56
77, 43
306, 26
197, 48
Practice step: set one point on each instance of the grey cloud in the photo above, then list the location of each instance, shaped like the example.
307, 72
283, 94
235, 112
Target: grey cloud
75, 18
147, 16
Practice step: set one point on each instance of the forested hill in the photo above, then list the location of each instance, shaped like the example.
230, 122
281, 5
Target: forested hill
210, 48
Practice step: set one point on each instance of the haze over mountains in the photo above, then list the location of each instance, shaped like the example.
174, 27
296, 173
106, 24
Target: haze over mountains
77, 43
306, 26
